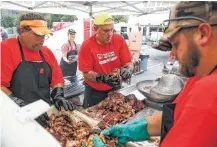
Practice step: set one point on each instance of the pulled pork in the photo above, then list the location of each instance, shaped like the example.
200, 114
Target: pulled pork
116, 108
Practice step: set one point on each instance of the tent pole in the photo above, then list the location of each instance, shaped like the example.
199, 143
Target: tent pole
90, 15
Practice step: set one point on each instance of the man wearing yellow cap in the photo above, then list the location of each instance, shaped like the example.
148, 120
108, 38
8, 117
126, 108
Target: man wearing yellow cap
99, 56
191, 120
29, 69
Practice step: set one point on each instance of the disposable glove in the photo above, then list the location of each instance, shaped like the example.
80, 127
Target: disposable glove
97, 142
59, 100
42, 120
134, 131
18, 101
126, 73
108, 79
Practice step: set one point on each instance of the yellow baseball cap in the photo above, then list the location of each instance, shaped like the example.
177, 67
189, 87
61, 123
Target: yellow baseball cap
103, 18
38, 26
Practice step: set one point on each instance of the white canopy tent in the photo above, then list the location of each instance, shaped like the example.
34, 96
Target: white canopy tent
86, 9
136, 10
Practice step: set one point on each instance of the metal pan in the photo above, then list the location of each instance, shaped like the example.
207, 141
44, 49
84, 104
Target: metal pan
146, 86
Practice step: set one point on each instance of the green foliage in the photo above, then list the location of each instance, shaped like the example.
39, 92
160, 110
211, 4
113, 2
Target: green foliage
10, 20
120, 18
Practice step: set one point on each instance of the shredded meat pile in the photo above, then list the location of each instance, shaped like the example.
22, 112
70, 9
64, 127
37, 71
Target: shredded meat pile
116, 108
74, 134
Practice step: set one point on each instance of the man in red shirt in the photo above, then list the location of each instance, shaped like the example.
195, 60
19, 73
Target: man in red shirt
28, 69
99, 56
191, 121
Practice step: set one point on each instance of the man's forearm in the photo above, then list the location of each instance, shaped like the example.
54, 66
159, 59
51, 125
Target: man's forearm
58, 85
154, 124
6, 90
91, 76
129, 65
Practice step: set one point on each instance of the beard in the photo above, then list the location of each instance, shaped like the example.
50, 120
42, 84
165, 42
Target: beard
190, 61
36, 47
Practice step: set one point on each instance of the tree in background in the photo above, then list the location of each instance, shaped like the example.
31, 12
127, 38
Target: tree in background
120, 18
9, 19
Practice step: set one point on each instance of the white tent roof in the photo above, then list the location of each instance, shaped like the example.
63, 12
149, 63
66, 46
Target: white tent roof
89, 8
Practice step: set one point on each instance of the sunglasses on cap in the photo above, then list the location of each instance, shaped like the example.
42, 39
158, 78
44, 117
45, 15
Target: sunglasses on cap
165, 24
70, 31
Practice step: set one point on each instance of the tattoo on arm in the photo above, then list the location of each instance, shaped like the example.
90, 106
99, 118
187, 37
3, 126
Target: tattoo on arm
129, 65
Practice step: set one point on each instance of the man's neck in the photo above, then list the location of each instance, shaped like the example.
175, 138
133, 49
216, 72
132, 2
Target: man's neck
207, 63
22, 42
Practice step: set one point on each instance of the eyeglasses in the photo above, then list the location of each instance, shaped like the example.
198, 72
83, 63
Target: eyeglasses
165, 24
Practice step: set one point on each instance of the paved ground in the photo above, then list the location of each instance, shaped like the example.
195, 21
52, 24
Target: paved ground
155, 64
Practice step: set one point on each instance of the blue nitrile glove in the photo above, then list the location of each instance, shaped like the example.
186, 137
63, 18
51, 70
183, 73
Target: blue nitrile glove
97, 142
134, 131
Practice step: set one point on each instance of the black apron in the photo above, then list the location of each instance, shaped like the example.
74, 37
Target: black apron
168, 116
93, 96
69, 69
31, 80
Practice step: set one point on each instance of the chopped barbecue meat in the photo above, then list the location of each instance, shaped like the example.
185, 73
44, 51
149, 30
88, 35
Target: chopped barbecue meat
71, 134
116, 108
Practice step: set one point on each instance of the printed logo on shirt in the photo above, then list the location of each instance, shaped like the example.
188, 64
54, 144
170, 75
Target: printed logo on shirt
106, 57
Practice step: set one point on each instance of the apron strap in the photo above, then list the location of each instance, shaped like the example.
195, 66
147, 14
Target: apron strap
21, 50
42, 56
22, 54
213, 69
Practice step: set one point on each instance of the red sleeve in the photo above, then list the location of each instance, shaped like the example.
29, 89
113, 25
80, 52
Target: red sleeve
57, 76
195, 128
85, 61
65, 48
7, 67
125, 54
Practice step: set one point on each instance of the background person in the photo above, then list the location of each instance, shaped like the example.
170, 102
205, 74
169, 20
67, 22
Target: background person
4, 34
99, 56
125, 36
68, 63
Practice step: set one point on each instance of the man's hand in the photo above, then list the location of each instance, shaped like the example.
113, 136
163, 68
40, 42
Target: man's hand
126, 73
108, 79
97, 142
134, 131
59, 100
42, 120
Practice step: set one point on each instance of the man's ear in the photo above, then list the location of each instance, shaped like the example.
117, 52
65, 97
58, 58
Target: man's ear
205, 31
95, 27
22, 32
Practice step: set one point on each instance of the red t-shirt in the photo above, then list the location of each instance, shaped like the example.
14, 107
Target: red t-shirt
67, 47
11, 58
195, 117
103, 59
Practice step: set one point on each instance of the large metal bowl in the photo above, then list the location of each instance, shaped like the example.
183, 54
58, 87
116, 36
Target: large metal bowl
146, 88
